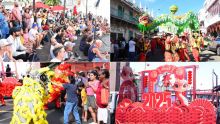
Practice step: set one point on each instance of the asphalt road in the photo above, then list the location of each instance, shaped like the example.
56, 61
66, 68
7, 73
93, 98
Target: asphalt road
44, 53
54, 116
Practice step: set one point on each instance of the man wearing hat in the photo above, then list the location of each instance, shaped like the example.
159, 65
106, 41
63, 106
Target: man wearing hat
18, 50
5, 51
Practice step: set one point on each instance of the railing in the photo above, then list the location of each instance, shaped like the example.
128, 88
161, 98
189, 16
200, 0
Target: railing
123, 16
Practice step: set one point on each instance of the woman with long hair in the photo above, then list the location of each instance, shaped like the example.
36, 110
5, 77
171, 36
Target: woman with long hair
91, 89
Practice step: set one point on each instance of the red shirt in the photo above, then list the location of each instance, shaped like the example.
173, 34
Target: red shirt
98, 97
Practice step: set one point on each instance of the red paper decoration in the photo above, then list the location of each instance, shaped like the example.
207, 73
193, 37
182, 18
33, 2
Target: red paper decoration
145, 81
189, 77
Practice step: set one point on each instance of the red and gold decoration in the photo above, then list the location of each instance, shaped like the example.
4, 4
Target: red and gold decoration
158, 107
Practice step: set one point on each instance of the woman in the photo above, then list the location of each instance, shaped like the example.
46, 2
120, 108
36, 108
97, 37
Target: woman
92, 86
27, 18
102, 108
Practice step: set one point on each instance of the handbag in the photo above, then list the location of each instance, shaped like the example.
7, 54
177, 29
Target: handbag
104, 96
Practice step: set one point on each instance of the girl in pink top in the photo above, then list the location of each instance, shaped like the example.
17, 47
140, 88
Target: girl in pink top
92, 86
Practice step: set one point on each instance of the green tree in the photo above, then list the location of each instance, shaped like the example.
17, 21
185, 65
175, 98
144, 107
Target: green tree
52, 2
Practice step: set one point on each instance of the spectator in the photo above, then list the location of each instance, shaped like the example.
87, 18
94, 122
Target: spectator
71, 101
59, 53
18, 50
102, 108
35, 36
94, 53
69, 51
84, 102
5, 51
4, 28
131, 49
16, 15
92, 86
27, 18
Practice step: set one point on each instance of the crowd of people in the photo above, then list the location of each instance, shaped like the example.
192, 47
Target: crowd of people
172, 47
85, 91
27, 30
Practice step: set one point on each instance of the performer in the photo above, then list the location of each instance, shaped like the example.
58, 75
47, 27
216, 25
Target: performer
168, 52
196, 42
183, 52
175, 48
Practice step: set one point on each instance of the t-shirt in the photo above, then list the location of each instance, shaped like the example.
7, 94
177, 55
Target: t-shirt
84, 96
98, 97
55, 60
71, 91
89, 90
32, 34
131, 46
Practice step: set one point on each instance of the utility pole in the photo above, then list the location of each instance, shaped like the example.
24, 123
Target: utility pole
33, 6
64, 7
86, 8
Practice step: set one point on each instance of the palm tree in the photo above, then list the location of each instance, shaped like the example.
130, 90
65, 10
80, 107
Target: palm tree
52, 2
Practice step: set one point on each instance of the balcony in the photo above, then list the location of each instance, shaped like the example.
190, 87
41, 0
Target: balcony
210, 20
123, 16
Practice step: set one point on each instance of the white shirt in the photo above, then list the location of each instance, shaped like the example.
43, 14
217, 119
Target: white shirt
55, 60
131, 46
32, 34
16, 45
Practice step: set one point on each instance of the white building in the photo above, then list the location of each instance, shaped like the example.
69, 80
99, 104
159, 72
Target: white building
103, 8
9, 4
209, 16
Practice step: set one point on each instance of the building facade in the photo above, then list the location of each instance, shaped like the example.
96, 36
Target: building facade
124, 19
209, 17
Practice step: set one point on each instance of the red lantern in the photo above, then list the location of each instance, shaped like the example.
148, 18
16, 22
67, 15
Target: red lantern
145, 81
189, 77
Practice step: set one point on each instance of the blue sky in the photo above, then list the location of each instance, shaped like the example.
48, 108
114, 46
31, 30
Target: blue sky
162, 6
204, 72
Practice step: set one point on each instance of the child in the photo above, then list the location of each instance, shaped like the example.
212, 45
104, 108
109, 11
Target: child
84, 101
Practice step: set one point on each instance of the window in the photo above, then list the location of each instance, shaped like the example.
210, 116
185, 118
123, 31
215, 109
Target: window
130, 15
120, 11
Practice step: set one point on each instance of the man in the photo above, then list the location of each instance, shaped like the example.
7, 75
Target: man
18, 50
131, 49
16, 15
71, 101
59, 53
69, 56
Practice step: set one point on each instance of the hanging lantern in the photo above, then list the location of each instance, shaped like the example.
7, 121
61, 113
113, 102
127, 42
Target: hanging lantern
145, 81
189, 77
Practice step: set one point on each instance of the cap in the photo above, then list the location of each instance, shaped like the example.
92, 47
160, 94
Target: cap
68, 43
34, 25
3, 42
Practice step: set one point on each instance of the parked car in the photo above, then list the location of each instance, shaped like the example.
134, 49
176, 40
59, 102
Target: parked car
207, 41
113, 102
215, 46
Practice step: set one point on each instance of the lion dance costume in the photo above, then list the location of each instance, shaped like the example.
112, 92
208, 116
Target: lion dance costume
30, 98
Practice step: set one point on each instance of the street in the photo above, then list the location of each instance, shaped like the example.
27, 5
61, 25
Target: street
54, 116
